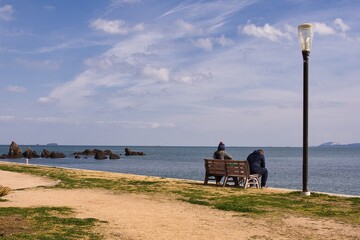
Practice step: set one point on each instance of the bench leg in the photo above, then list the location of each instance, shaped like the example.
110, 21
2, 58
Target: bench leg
206, 179
225, 181
246, 183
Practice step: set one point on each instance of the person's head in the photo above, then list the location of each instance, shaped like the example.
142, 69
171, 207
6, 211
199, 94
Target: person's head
261, 151
221, 146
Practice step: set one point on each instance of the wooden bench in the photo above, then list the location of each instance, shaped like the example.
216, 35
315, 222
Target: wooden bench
237, 169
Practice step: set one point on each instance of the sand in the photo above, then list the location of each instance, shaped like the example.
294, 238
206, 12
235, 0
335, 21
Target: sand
140, 216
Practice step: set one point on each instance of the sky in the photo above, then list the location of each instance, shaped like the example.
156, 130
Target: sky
177, 73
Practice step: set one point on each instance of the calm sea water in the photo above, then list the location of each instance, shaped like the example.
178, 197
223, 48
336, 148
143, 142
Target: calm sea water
334, 170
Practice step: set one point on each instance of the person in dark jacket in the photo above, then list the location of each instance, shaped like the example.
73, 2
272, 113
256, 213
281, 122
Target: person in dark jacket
221, 154
256, 161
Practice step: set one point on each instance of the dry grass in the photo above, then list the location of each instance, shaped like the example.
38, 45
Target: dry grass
4, 191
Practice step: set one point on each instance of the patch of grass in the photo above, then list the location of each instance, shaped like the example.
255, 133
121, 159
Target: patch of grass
195, 201
71, 179
194, 196
45, 223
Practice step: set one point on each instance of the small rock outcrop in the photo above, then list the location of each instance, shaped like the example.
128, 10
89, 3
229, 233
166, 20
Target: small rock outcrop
30, 154
100, 155
114, 156
97, 153
47, 154
86, 152
128, 152
57, 155
14, 151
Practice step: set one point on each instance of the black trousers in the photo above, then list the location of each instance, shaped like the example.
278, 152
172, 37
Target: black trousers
264, 175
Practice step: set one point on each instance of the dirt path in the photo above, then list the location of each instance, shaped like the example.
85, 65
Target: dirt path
21, 181
133, 216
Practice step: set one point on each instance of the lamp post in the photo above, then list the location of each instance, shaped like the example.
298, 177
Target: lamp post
305, 37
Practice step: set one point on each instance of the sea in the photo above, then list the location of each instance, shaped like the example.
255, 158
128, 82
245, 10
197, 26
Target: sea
330, 169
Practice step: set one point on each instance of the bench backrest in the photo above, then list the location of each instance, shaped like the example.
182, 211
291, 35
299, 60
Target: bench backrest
215, 167
227, 167
237, 169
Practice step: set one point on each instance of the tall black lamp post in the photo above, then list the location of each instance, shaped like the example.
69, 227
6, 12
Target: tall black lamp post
305, 36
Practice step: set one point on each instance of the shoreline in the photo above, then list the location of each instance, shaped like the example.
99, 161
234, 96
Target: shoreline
173, 179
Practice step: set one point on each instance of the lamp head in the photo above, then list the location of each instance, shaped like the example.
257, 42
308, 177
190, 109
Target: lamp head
305, 33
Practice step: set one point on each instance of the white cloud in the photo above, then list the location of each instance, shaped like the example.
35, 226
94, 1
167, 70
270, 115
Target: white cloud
339, 28
225, 42
6, 12
101, 62
267, 31
139, 27
73, 94
204, 43
343, 28
17, 89
76, 43
137, 124
135, 47
117, 68
45, 119
209, 16
192, 77
208, 43
46, 100
275, 34
338, 23
6, 118
187, 28
162, 74
110, 26
186, 79
323, 29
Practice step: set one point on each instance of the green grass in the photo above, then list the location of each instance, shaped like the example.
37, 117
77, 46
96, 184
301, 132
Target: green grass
73, 180
45, 223
250, 202
292, 203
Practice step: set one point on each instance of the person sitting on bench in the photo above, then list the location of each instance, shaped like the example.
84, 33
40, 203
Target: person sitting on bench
256, 161
221, 154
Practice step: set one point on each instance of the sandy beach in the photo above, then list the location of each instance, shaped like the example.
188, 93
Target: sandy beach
155, 216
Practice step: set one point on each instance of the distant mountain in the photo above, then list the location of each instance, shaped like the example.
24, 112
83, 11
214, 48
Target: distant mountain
52, 144
336, 144
329, 144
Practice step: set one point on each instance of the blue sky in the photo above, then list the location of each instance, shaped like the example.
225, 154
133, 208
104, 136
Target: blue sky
151, 72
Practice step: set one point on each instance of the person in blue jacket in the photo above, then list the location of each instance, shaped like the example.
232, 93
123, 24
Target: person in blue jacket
256, 161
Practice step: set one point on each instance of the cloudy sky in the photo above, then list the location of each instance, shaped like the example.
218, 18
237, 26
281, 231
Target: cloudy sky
158, 72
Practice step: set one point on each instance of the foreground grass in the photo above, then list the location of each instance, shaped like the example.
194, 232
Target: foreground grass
249, 202
44, 223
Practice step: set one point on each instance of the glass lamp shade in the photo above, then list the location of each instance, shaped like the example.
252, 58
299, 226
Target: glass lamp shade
305, 33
